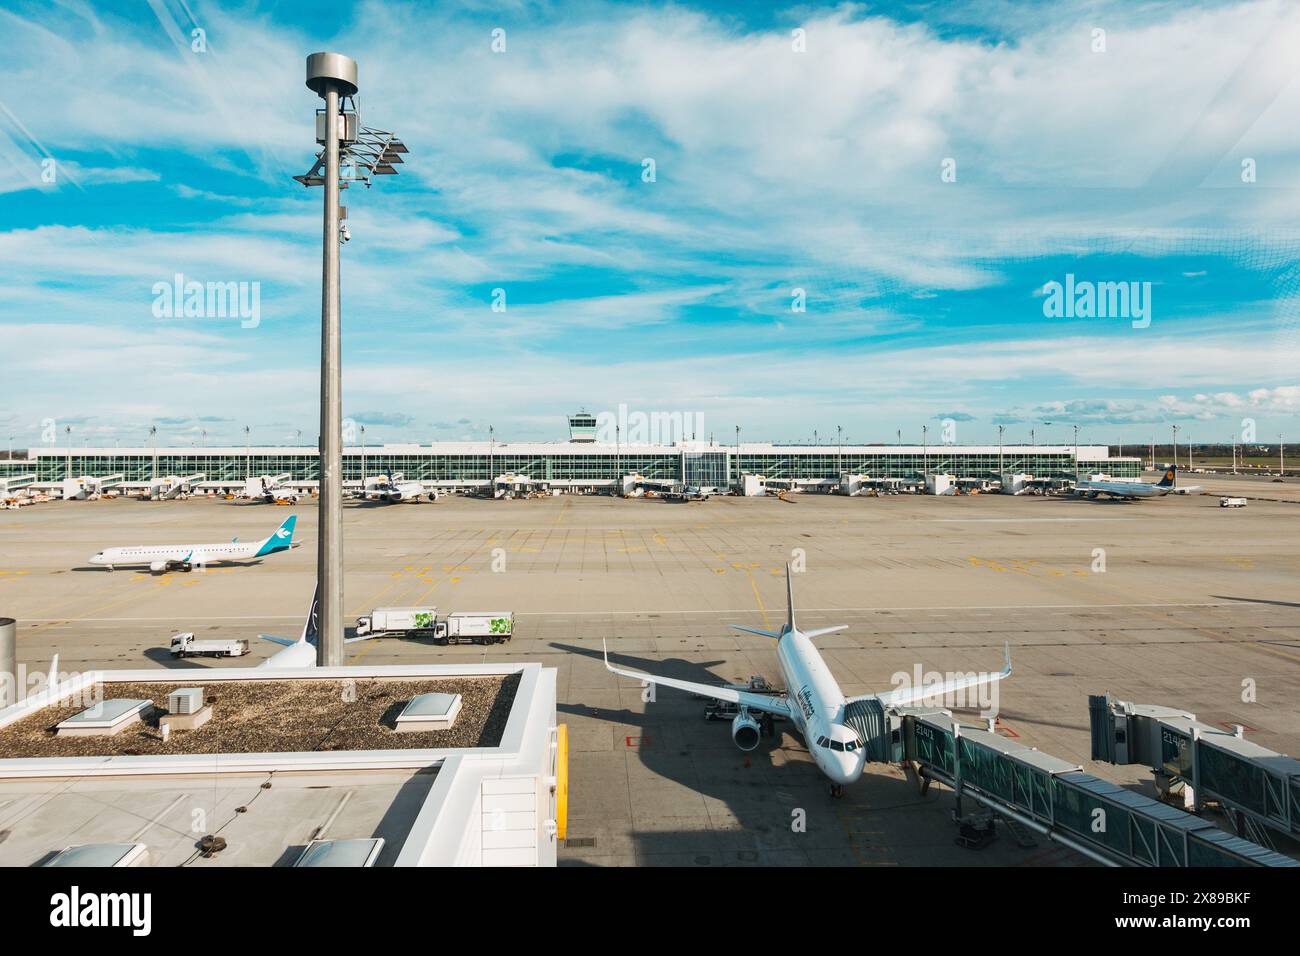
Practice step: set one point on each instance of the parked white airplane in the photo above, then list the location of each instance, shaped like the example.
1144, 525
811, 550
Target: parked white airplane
164, 557
269, 489
813, 700
1093, 487
382, 489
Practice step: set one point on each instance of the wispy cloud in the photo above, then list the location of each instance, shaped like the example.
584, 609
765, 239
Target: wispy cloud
776, 172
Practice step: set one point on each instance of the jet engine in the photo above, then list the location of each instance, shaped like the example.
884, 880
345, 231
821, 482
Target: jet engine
744, 731
158, 565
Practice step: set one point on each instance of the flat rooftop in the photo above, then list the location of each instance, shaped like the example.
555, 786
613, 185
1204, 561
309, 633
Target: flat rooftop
278, 716
265, 819
1194, 600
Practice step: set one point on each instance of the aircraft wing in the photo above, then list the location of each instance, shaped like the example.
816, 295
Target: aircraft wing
903, 696
761, 702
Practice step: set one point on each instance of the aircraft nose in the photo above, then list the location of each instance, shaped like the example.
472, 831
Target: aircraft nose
850, 767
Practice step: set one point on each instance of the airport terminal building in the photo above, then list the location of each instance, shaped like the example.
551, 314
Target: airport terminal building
577, 463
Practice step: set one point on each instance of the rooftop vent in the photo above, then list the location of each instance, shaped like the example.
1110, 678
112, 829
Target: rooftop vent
185, 700
429, 712
341, 852
185, 711
104, 719
100, 855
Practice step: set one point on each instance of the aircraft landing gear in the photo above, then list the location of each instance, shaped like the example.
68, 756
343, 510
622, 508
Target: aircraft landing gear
767, 725
837, 790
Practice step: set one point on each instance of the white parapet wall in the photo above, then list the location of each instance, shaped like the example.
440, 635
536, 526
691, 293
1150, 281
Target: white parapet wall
488, 806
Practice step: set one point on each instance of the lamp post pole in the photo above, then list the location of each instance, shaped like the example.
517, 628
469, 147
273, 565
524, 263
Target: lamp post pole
369, 152
1175, 454
330, 76
738, 456
925, 450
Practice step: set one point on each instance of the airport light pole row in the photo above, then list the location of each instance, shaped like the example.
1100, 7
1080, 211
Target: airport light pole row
369, 152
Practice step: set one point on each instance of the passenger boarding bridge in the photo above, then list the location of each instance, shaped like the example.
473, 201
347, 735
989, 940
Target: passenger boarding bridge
1258, 789
1044, 794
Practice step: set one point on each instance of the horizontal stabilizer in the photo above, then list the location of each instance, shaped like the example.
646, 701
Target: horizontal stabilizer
755, 630
287, 642
824, 630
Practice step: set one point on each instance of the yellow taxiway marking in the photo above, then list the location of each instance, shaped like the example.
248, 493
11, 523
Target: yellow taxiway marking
757, 597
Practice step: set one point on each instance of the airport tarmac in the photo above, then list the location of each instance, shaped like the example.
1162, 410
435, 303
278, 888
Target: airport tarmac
1173, 601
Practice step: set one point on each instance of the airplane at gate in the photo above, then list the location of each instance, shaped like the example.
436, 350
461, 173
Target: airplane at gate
1093, 487
813, 701
164, 557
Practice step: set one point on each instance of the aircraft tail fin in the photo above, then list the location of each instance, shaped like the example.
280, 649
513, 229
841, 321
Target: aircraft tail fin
1170, 475
789, 599
311, 627
281, 539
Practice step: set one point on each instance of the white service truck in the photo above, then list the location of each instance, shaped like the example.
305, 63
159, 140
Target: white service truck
399, 622
186, 644
477, 627
461, 627
1232, 502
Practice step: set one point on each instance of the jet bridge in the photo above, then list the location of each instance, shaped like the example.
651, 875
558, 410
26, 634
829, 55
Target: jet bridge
1050, 796
1258, 788
12, 483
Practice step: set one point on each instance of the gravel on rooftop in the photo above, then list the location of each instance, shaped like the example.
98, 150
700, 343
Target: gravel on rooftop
279, 716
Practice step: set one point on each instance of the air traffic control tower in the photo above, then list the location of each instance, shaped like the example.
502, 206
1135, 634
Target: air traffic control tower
582, 427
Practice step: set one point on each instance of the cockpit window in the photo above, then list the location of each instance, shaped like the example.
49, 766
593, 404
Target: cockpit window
837, 745
823, 742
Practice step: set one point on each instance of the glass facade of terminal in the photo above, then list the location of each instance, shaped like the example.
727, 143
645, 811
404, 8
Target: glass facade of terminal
579, 463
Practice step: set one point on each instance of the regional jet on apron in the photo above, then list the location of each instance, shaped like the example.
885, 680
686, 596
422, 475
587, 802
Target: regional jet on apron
813, 701
165, 557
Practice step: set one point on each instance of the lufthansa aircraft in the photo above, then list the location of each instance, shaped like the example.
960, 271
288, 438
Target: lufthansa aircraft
1093, 487
164, 557
813, 701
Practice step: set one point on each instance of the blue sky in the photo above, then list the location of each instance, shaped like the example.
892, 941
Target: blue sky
1111, 142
